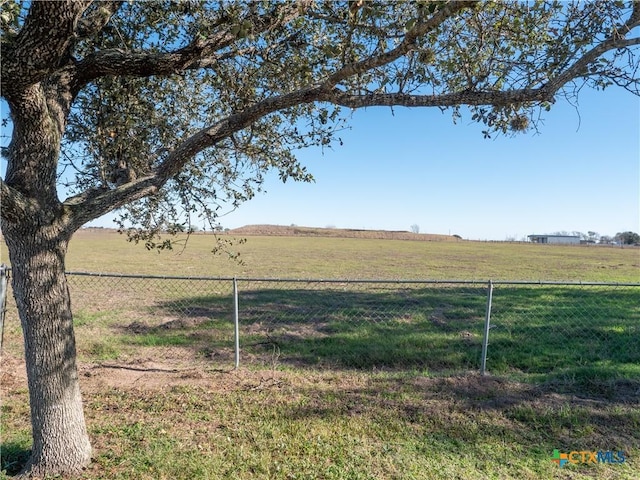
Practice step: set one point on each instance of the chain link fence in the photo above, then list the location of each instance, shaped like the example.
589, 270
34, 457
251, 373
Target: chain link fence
568, 332
521, 329
365, 325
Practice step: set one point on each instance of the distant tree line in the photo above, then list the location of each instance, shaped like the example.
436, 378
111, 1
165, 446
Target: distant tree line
620, 238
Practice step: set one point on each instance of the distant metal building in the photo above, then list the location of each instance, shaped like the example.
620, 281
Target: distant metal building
561, 239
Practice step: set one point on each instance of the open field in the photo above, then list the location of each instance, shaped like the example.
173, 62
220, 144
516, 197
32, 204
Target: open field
371, 399
328, 257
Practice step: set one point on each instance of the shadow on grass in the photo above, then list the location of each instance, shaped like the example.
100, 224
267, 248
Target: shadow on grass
481, 427
539, 333
476, 416
423, 329
589, 337
13, 457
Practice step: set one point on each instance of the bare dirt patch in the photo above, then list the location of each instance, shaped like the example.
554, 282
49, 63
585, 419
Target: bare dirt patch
172, 367
13, 375
147, 374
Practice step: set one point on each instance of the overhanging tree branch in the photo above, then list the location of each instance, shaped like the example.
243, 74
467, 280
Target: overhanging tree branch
580, 66
467, 97
498, 98
96, 202
408, 43
198, 54
88, 206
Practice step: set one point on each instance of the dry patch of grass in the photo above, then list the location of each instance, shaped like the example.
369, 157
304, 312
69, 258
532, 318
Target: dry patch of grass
330, 257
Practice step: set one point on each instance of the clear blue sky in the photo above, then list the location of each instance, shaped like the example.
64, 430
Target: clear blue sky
580, 172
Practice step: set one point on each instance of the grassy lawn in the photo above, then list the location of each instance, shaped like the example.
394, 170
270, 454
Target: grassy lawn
336, 425
342, 381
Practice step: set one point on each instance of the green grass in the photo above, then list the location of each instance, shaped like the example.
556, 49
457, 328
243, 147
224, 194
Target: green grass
346, 382
336, 426
539, 333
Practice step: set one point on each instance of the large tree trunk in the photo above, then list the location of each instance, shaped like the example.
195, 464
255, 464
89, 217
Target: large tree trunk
60, 441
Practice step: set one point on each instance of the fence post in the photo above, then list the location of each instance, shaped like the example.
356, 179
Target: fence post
236, 322
4, 275
487, 326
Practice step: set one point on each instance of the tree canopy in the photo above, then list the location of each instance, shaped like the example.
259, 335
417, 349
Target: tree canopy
627, 238
171, 109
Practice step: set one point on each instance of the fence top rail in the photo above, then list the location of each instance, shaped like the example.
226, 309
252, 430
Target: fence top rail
361, 281
565, 283
143, 276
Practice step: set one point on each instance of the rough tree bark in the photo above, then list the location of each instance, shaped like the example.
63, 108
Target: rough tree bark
37, 228
60, 440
